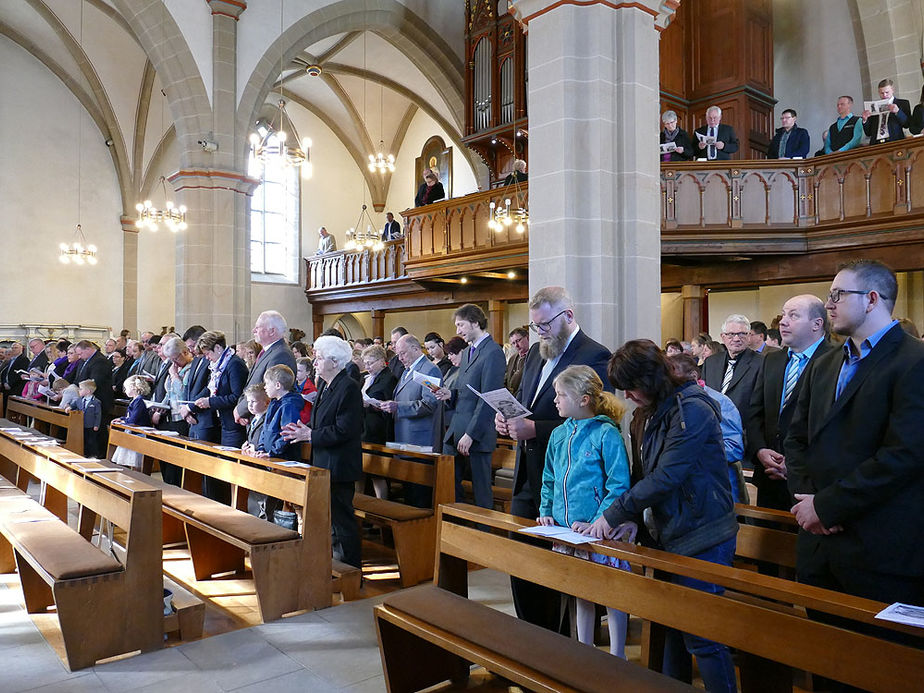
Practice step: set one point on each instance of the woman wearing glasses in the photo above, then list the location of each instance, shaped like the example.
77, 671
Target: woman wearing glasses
430, 190
686, 487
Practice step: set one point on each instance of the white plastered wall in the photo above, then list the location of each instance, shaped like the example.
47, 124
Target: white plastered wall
38, 195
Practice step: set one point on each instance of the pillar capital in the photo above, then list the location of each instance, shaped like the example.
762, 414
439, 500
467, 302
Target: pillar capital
526, 10
213, 179
227, 8
128, 224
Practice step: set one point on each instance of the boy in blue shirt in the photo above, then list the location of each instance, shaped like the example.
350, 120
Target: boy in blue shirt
284, 408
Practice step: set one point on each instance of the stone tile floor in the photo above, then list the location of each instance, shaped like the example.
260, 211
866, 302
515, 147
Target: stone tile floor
330, 650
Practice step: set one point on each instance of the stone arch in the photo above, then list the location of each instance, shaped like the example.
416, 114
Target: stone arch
390, 19
899, 27
166, 48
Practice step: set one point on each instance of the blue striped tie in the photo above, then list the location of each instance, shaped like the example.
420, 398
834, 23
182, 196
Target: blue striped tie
792, 377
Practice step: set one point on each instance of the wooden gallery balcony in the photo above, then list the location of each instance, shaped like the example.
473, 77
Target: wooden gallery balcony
730, 223
448, 256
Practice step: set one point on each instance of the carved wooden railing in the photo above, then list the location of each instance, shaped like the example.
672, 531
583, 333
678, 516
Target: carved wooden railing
345, 268
437, 235
791, 206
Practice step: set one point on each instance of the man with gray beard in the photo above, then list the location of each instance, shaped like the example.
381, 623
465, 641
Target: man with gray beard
562, 343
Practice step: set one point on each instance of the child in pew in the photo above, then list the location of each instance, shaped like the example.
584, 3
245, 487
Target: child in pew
65, 394
285, 407
586, 469
304, 383
92, 410
137, 414
258, 504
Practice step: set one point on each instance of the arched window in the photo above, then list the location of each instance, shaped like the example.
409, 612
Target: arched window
274, 220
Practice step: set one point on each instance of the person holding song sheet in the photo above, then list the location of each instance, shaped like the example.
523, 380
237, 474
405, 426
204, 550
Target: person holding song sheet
675, 142
887, 122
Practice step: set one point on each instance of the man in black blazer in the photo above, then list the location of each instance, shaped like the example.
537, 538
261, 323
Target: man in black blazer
97, 368
471, 433
562, 343
726, 141
335, 434
269, 331
39, 357
12, 379
899, 117
776, 391
855, 449
392, 229
734, 372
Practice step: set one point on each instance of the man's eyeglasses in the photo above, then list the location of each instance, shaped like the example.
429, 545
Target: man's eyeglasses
836, 295
739, 335
545, 326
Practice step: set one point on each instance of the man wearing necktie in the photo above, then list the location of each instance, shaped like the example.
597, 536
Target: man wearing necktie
561, 343
726, 141
803, 327
855, 449
734, 372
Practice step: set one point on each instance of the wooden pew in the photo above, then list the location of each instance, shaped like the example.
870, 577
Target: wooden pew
45, 416
106, 605
290, 572
414, 529
772, 623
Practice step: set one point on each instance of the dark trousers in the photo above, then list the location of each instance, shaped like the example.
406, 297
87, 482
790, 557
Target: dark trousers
774, 494
91, 443
480, 463
534, 603
347, 544
171, 473
212, 488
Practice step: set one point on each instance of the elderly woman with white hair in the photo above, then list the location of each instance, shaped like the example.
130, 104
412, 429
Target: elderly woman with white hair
335, 433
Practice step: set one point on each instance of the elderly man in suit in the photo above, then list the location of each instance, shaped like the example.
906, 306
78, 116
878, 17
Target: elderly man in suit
725, 142
415, 408
562, 343
776, 391
269, 331
734, 372
854, 451
94, 366
39, 357
471, 433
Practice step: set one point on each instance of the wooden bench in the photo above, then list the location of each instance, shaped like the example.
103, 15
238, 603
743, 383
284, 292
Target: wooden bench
413, 529
771, 623
428, 635
44, 416
290, 572
106, 605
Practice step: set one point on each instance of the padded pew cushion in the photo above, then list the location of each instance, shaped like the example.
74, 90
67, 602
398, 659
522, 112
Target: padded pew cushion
60, 550
389, 510
564, 660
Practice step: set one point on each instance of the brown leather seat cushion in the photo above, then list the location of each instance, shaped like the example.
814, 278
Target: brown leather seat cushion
567, 661
61, 551
240, 525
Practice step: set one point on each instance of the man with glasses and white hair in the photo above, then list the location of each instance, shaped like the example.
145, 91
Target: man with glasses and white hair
734, 372
855, 449
269, 331
562, 343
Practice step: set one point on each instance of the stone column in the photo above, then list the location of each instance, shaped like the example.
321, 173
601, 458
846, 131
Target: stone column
692, 297
129, 276
593, 170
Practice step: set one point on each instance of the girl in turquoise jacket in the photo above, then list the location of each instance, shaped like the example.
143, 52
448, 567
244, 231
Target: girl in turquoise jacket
586, 470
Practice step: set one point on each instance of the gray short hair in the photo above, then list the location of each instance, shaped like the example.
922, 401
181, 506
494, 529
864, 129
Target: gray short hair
669, 117
173, 348
736, 317
275, 320
713, 109
335, 349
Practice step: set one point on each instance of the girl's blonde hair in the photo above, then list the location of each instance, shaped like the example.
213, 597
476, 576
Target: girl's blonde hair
578, 381
138, 384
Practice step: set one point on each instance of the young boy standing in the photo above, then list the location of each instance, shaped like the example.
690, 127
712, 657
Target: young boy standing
92, 410
284, 408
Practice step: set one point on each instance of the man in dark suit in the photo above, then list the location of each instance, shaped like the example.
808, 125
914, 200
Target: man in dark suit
897, 119
392, 229
39, 357
12, 379
790, 140
519, 340
97, 368
471, 434
269, 331
803, 327
726, 141
335, 434
734, 372
757, 338
562, 343
394, 363
854, 450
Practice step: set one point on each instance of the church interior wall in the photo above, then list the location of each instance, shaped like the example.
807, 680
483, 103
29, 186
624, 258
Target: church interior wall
671, 316
38, 176
815, 61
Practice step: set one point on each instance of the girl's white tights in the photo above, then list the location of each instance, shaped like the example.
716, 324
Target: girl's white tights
616, 620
